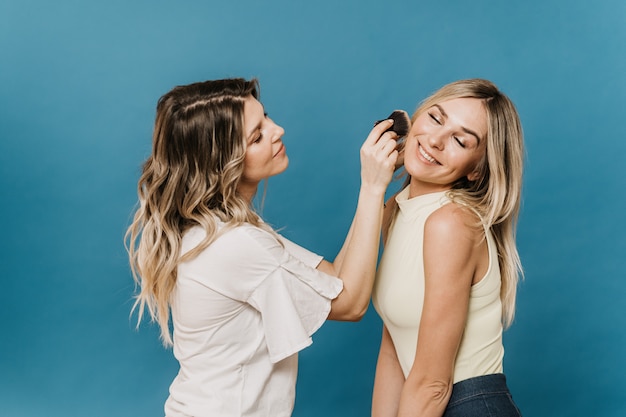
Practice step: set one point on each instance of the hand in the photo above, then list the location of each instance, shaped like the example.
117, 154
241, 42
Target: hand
400, 148
379, 156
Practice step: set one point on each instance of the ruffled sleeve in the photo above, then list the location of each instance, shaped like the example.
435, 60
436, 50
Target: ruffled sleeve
303, 255
294, 298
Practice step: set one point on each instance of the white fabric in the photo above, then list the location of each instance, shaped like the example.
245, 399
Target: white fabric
241, 311
399, 293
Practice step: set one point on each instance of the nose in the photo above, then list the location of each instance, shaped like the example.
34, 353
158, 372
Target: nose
435, 140
277, 132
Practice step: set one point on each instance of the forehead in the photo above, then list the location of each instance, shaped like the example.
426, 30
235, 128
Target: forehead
469, 113
253, 114
252, 107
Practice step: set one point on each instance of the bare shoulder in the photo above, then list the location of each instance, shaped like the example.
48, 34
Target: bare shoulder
453, 221
454, 247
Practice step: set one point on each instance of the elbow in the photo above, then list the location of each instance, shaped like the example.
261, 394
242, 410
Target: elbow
436, 392
439, 392
356, 314
350, 312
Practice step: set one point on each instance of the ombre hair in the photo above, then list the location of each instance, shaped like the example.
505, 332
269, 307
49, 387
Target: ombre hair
189, 179
496, 194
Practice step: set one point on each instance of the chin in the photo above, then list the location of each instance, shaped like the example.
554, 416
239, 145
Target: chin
284, 167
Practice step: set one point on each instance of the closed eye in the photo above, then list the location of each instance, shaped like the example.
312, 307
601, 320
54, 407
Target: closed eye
260, 137
459, 141
432, 116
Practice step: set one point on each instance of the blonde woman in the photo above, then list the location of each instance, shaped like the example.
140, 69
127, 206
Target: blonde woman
446, 285
243, 300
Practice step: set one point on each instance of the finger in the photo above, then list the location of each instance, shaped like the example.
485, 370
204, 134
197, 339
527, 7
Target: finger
391, 135
393, 160
388, 147
387, 138
394, 157
377, 131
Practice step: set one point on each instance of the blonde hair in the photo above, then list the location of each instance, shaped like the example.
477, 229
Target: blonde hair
190, 179
496, 194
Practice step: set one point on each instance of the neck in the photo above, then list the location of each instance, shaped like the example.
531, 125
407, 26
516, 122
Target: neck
248, 190
417, 188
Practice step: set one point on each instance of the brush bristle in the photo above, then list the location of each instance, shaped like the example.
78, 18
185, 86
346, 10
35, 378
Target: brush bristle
401, 122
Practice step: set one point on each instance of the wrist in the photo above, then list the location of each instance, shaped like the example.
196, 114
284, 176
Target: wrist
373, 190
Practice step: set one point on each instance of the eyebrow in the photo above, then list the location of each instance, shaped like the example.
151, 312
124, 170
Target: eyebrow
466, 130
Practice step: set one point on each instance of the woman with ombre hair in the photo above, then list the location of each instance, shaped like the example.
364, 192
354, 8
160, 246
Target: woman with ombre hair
243, 300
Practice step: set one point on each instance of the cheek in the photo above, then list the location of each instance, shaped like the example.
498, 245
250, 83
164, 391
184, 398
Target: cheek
257, 158
472, 163
420, 126
251, 162
248, 169
410, 145
410, 155
248, 159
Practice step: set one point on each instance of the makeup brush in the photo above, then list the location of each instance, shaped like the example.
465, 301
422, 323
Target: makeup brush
401, 122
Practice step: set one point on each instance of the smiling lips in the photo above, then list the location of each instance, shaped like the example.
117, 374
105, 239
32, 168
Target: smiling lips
426, 156
280, 150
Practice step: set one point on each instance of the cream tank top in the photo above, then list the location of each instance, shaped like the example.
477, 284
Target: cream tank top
398, 295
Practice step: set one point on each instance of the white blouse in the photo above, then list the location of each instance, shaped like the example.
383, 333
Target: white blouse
241, 311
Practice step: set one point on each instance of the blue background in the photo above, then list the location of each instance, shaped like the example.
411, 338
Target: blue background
79, 81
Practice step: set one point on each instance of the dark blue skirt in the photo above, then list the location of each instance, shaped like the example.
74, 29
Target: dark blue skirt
482, 396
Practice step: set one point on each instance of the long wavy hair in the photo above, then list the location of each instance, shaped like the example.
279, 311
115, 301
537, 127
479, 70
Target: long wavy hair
189, 179
496, 194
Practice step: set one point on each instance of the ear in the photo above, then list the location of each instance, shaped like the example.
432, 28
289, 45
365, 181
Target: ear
478, 169
474, 175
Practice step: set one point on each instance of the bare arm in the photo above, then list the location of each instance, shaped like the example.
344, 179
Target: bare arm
356, 262
389, 376
452, 259
389, 380
388, 212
